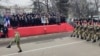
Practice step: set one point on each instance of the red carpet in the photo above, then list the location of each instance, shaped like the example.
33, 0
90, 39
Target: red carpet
38, 30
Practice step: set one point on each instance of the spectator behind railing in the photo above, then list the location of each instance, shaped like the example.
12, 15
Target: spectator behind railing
24, 20
1, 20
7, 21
44, 20
14, 21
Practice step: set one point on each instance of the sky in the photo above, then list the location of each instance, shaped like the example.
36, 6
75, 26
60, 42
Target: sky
18, 2
21, 2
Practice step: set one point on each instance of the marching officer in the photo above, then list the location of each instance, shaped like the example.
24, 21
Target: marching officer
16, 40
75, 32
85, 29
90, 30
96, 31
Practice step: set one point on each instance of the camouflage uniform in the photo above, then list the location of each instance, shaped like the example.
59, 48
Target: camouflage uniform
75, 32
96, 33
90, 31
85, 31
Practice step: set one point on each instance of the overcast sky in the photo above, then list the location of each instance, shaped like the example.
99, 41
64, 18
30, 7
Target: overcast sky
21, 2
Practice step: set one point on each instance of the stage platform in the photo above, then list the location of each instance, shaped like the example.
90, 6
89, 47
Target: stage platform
40, 30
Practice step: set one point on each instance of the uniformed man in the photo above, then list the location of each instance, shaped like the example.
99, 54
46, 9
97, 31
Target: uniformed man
75, 32
96, 32
80, 30
16, 40
90, 30
85, 29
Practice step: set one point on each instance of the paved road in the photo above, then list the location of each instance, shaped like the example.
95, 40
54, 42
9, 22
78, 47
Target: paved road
4, 42
64, 46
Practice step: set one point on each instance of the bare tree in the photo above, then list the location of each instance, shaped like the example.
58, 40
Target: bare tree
97, 6
78, 8
94, 7
84, 8
63, 6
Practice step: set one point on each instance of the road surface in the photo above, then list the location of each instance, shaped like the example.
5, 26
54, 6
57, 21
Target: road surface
54, 46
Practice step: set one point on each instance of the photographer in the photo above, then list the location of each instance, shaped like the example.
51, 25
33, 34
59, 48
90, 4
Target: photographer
4, 31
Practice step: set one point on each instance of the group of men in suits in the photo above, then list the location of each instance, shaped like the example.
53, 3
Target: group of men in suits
34, 19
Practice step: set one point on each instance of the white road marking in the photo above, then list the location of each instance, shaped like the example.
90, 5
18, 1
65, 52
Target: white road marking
44, 48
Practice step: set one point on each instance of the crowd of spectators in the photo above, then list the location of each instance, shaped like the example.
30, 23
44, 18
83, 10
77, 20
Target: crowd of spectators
30, 19
24, 20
